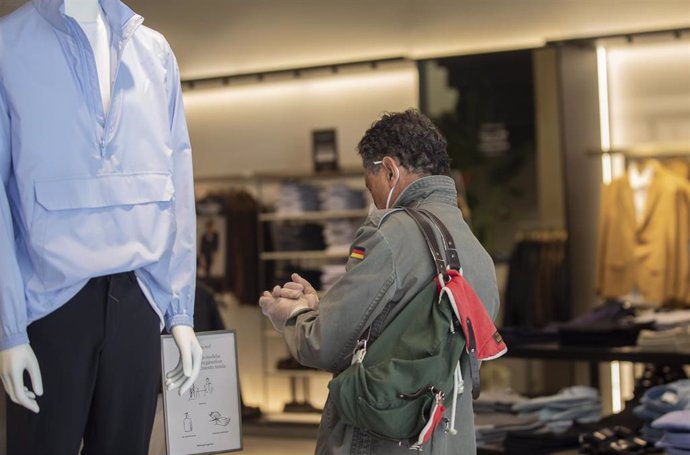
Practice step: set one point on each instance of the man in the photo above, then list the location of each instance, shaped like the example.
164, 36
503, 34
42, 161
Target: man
405, 162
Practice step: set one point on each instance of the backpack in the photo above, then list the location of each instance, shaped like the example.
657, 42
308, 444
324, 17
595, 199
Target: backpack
398, 388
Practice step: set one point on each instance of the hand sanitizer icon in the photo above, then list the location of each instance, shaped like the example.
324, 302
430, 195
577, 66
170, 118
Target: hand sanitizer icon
187, 423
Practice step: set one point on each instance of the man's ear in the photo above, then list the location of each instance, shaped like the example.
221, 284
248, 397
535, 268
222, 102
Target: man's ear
391, 167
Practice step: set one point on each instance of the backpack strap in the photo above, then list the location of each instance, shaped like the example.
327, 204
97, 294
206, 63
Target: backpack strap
449, 243
428, 233
374, 329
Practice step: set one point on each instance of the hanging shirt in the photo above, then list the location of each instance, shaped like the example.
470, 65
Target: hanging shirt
83, 195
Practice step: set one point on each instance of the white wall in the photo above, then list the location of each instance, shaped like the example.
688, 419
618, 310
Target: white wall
267, 126
212, 37
649, 93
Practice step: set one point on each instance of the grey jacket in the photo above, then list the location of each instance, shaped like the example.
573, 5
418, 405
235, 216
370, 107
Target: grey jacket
396, 265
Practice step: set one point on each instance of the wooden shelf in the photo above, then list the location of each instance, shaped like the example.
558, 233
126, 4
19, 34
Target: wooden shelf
314, 216
302, 255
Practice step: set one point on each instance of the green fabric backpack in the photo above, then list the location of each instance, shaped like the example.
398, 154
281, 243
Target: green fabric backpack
399, 387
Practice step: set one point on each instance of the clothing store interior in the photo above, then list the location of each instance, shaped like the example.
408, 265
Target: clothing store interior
568, 129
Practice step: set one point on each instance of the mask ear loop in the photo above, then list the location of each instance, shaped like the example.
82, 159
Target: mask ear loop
390, 193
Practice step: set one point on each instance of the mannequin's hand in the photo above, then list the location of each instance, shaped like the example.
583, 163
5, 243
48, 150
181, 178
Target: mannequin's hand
13, 362
189, 366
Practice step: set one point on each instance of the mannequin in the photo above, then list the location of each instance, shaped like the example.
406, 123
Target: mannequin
145, 279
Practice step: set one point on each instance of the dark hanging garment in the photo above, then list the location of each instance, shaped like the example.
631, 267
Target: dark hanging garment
206, 315
228, 256
536, 292
242, 277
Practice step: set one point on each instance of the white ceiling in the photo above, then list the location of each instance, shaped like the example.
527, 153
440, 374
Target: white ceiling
213, 37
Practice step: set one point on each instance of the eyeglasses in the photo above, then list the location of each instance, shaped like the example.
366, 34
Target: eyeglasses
377, 162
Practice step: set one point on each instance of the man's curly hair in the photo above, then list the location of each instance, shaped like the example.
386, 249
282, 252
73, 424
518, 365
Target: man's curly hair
411, 138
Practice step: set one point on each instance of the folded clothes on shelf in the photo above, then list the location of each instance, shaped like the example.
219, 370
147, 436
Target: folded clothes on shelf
341, 197
664, 320
492, 428
495, 401
610, 311
558, 412
676, 432
297, 198
676, 339
662, 399
564, 399
340, 233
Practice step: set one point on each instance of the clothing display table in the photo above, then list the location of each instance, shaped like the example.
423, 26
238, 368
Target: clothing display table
594, 355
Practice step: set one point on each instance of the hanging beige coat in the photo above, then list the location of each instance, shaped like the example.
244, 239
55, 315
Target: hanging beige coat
650, 256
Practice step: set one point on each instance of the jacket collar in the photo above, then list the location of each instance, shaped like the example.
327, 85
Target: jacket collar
118, 15
433, 188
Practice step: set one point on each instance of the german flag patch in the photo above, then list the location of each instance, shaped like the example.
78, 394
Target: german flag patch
357, 253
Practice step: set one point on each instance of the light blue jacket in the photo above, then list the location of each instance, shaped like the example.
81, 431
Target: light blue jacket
86, 193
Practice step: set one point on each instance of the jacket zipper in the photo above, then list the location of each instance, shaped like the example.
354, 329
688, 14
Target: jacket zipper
132, 23
87, 60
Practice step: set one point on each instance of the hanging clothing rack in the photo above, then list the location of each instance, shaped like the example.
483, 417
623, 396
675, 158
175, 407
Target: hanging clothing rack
660, 153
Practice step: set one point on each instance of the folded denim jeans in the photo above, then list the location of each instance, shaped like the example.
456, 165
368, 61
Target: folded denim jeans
677, 422
666, 398
675, 451
568, 397
575, 412
676, 440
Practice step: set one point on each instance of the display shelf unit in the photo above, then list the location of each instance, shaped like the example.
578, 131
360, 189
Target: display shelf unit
595, 355
314, 216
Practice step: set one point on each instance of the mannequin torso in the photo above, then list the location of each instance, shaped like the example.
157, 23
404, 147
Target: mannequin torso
90, 17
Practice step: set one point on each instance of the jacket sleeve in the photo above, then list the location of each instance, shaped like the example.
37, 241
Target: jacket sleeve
181, 270
325, 338
12, 301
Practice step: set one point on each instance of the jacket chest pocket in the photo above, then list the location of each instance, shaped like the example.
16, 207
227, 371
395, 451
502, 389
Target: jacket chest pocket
97, 224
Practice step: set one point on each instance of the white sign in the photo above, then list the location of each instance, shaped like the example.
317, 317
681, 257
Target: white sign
207, 418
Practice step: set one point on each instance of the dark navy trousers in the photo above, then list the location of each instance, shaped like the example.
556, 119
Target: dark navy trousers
99, 356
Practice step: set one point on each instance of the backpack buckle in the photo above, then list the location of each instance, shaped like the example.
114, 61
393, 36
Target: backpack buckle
359, 352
